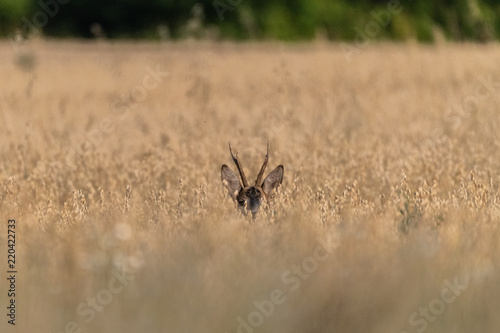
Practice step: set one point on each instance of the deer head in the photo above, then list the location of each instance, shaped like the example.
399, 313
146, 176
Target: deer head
250, 197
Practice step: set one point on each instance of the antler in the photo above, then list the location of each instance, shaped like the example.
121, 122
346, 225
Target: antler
240, 168
261, 173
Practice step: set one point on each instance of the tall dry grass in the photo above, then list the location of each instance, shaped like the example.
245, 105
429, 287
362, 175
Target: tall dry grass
381, 169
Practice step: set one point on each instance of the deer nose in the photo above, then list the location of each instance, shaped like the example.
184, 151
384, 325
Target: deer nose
254, 202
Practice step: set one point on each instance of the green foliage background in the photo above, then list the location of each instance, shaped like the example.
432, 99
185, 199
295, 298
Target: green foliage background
477, 20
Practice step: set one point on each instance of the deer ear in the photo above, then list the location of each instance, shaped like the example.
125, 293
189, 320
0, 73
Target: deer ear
273, 180
231, 181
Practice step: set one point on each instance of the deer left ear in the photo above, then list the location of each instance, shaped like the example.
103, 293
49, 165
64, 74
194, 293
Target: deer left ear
273, 180
231, 181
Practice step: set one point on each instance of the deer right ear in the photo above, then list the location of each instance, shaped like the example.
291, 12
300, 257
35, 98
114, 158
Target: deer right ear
273, 180
232, 182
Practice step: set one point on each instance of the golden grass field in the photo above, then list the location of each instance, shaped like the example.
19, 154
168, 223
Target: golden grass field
387, 220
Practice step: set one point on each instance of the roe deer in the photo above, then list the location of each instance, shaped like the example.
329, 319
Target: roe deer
250, 196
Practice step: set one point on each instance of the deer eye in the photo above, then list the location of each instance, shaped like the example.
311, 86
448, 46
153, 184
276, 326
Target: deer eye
241, 202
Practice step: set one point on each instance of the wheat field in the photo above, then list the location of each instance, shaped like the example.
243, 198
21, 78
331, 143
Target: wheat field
387, 219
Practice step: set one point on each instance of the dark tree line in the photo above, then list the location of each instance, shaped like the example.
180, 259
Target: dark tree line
423, 20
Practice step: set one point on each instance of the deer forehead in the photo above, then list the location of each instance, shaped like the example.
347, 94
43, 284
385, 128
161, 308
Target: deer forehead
252, 192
